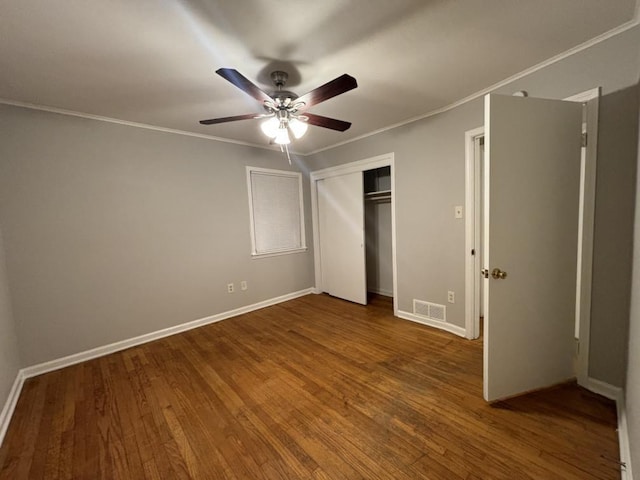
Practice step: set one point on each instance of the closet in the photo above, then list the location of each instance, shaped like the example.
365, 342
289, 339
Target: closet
354, 221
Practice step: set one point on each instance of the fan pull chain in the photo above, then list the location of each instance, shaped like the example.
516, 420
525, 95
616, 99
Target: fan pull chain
285, 149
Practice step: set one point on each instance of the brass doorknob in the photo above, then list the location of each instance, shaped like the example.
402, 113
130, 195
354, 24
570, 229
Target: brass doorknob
498, 274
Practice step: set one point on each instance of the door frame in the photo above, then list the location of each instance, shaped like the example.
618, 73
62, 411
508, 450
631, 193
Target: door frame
472, 233
589, 156
385, 160
590, 99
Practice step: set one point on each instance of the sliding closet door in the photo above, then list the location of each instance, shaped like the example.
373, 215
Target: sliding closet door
341, 222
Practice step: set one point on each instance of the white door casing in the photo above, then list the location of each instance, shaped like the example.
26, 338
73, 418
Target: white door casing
385, 160
473, 240
532, 173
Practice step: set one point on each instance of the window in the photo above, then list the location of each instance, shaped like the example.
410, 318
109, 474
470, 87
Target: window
276, 211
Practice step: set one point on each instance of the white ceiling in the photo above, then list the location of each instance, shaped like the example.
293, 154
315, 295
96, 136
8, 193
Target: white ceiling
153, 61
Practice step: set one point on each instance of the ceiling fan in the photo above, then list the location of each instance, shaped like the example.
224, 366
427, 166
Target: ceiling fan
286, 112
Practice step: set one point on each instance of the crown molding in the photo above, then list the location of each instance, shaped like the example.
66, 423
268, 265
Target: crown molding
550, 61
100, 118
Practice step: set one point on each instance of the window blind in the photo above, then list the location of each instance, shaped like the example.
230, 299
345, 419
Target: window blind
276, 211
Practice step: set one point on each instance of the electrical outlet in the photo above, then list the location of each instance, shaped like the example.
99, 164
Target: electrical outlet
451, 297
230, 288
243, 285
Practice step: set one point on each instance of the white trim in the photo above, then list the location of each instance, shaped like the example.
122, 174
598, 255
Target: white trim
353, 167
146, 126
550, 61
10, 404
623, 439
603, 388
256, 256
584, 271
472, 262
386, 160
584, 96
616, 394
447, 327
486, 210
69, 360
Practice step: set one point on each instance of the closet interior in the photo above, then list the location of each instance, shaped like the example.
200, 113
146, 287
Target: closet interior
378, 231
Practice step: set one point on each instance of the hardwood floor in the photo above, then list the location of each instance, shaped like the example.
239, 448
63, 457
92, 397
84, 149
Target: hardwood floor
315, 388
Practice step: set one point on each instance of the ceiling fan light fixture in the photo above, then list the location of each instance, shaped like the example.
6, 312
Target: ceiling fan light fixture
270, 127
298, 127
282, 137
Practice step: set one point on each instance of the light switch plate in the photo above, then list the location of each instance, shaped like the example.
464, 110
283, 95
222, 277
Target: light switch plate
458, 211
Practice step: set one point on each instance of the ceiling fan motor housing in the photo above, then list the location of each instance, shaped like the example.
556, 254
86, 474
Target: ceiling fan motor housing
279, 79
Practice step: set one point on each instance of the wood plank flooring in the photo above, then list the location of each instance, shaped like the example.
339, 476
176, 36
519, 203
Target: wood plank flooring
315, 388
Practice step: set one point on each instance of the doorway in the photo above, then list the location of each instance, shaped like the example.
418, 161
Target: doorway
369, 183
474, 155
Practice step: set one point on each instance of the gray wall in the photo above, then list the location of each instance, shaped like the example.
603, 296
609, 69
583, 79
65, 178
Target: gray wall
429, 156
113, 232
632, 399
613, 235
9, 358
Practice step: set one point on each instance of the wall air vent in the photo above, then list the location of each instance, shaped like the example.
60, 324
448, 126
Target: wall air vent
429, 310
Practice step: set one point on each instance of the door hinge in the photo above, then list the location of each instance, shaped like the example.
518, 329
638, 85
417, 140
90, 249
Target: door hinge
584, 139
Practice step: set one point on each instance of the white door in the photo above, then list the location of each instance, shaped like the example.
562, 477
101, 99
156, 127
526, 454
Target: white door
341, 223
532, 173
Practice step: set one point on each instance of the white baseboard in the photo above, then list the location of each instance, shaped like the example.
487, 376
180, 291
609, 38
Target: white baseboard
10, 404
603, 388
617, 394
456, 330
67, 361
39, 369
623, 440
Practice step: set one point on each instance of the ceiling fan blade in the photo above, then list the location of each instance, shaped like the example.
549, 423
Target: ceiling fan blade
326, 122
213, 121
243, 83
337, 86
